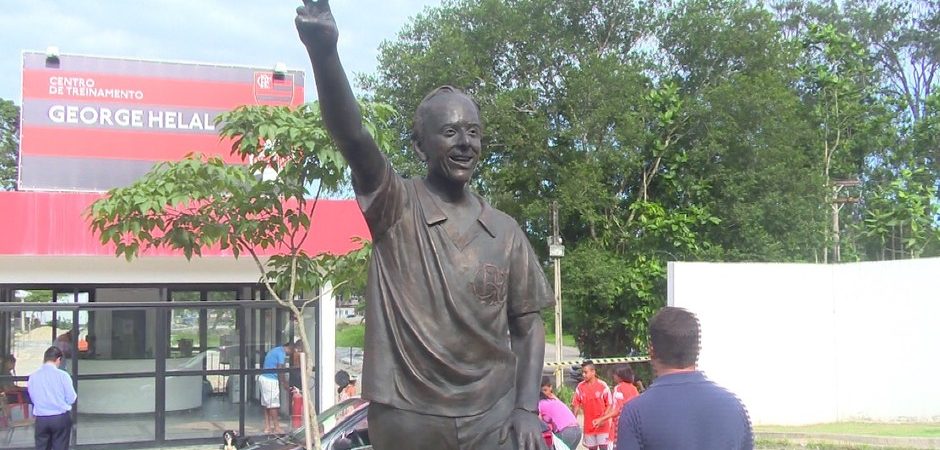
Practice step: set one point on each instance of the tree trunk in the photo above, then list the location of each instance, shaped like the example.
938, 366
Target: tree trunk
312, 435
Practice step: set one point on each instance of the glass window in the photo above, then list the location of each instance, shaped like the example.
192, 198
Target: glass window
28, 335
216, 338
194, 411
71, 345
126, 334
114, 357
30, 332
185, 338
116, 410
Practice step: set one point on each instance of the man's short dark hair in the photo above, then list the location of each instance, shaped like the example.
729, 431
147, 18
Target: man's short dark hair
625, 373
52, 353
587, 363
418, 121
675, 336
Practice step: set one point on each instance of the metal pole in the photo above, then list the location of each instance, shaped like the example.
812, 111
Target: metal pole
559, 372
556, 240
837, 204
836, 245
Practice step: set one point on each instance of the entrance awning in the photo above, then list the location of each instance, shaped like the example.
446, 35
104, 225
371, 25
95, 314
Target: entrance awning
54, 224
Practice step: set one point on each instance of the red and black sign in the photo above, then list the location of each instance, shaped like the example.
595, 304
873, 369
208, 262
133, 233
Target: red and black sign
90, 124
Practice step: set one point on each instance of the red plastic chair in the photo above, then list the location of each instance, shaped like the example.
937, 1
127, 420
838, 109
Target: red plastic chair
15, 414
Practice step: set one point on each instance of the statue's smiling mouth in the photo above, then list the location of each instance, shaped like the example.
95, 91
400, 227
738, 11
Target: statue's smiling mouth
461, 160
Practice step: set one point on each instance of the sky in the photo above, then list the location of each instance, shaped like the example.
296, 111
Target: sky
238, 32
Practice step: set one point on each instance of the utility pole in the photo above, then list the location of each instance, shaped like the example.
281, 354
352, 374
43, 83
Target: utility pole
837, 204
556, 251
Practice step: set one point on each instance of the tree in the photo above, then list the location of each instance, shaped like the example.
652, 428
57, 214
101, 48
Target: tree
572, 116
902, 36
748, 140
899, 41
838, 80
901, 217
9, 143
200, 202
725, 119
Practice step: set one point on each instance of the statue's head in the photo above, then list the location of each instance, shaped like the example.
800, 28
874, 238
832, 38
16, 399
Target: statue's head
447, 134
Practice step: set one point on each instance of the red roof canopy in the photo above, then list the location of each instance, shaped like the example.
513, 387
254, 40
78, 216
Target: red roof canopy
53, 223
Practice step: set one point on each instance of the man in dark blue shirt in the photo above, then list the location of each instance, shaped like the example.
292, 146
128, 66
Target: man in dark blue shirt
52, 395
682, 410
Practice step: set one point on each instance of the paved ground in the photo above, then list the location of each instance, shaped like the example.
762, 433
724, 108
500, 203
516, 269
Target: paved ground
772, 443
350, 359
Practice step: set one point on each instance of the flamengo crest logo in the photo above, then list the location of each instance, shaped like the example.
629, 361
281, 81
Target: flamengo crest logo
489, 284
270, 89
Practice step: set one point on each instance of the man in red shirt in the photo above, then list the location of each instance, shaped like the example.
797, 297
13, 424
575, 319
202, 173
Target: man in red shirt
624, 391
594, 397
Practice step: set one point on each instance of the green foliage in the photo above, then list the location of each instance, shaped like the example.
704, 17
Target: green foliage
615, 292
571, 116
201, 202
687, 130
37, 296
9, 143
567, 340
350, 336
902, 216
875, 64
565, 393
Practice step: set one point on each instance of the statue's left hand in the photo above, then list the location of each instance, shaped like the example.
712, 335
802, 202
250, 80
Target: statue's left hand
526, 428
316, 25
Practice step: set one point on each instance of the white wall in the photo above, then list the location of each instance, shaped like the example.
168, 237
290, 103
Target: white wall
808, 343
327, 345
25, 270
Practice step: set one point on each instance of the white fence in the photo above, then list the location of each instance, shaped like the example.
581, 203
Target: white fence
812, 343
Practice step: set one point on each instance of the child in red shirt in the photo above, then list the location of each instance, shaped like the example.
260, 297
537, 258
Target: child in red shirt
624, 391
594, 397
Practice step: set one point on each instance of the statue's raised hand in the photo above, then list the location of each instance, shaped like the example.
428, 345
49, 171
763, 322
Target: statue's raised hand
316, 25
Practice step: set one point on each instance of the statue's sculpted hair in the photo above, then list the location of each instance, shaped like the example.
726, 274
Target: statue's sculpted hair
418, 121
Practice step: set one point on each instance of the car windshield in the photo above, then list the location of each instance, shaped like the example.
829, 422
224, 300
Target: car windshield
333, 415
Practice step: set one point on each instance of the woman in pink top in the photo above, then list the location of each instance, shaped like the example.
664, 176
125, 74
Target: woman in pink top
559, 418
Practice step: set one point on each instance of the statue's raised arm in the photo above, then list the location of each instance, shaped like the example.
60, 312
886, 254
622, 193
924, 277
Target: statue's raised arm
341, 114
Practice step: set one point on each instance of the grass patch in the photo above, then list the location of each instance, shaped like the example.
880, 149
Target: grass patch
350, 335
776, 444
860, 428
566, 339
353, 335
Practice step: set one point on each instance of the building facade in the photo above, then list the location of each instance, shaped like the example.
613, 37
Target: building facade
161, 349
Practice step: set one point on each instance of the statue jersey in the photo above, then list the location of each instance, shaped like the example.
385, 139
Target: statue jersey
438, 305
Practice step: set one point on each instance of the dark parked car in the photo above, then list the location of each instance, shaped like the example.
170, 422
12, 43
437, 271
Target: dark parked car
344, 426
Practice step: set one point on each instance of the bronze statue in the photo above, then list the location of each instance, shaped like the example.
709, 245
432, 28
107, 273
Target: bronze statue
454, 340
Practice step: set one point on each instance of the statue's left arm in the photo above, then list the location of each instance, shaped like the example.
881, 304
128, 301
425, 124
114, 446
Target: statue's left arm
529, 293
527, 333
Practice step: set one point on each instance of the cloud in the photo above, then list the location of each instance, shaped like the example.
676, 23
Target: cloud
239, 32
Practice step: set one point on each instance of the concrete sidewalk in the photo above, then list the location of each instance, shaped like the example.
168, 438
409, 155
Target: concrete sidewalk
792, 441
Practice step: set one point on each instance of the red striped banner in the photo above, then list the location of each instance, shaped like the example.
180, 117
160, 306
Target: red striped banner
106, 88
128, 145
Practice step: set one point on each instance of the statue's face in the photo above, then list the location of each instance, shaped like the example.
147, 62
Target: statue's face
450, 137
